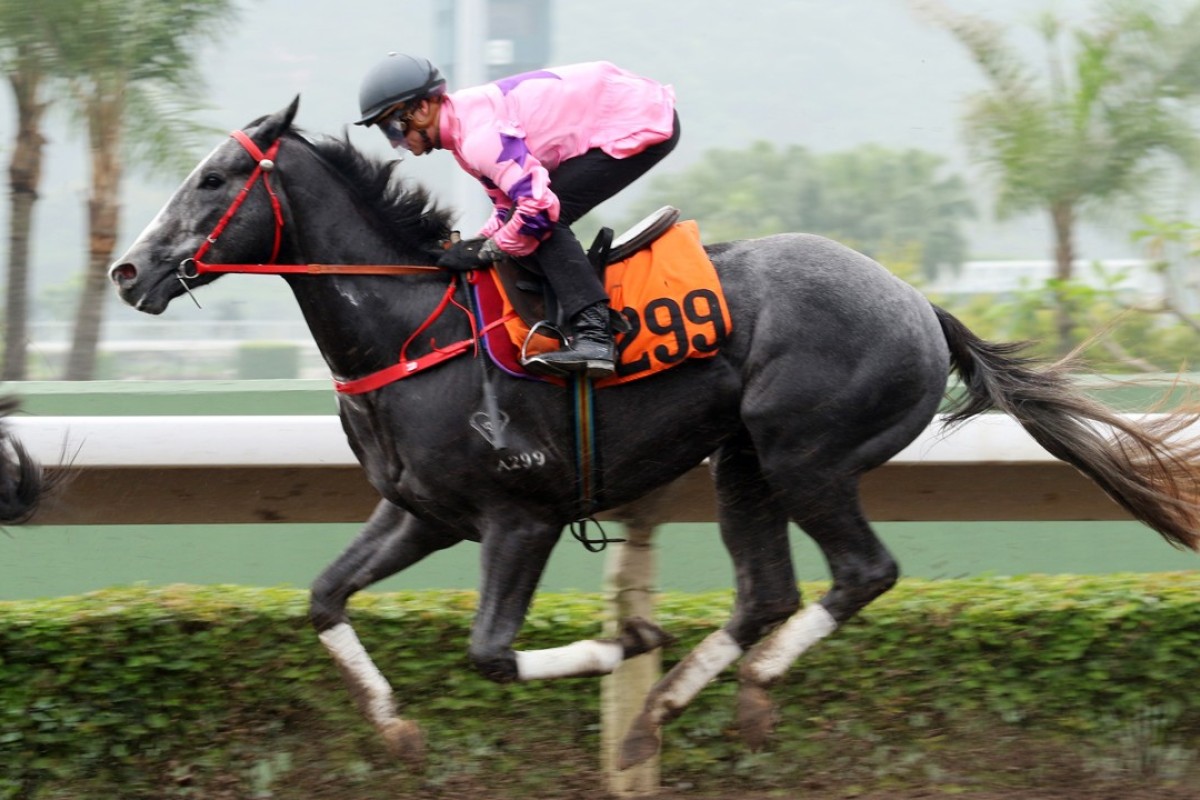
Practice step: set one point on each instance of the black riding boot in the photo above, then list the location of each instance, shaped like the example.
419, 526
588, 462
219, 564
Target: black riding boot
589, 348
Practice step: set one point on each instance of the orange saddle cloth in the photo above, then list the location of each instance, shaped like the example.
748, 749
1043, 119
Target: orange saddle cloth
669, 293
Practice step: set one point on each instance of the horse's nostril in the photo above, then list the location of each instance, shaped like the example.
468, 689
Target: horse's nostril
124, 273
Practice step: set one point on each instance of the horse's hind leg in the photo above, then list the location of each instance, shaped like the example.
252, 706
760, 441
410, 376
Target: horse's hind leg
754, 531
391, 540
861, 568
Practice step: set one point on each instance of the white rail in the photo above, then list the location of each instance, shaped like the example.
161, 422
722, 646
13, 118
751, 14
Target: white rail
292, 441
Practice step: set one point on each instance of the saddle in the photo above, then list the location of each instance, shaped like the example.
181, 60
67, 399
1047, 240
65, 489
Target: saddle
664, 289
529, 292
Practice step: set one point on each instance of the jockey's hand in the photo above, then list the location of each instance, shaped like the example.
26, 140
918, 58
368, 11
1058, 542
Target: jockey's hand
469, 254
490, 251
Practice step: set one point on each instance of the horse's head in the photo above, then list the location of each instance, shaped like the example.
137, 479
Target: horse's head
160, 265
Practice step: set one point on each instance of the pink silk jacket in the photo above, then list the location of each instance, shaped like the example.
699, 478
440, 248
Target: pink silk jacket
512, 133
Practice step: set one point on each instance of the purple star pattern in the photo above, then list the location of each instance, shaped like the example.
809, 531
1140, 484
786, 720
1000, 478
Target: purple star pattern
512, 148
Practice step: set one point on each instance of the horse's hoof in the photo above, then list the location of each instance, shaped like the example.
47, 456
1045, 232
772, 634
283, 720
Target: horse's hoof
405, 741
640, 636
755, 715
640, 744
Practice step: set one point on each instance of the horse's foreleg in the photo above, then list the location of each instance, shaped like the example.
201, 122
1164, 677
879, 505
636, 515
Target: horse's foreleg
512, 565
862, 569
754, 531
591, 657
514, 557
391, 540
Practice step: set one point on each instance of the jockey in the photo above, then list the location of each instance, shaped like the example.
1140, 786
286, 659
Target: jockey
547, 146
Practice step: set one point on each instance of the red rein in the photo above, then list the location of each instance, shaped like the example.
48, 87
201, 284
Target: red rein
405, 366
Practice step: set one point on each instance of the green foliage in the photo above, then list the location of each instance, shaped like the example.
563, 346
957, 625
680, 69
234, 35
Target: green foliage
877, 200
1121, 333
1087, 125
1157, 235
177, 691
1117, 338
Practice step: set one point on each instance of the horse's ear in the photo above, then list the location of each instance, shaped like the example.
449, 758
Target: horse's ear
276, 124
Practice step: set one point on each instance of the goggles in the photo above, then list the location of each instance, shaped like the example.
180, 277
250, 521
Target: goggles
394, 125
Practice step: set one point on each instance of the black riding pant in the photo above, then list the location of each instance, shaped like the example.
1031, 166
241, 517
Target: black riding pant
581, 184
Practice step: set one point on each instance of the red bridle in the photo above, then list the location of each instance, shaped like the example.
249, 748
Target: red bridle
405, 366
266, 165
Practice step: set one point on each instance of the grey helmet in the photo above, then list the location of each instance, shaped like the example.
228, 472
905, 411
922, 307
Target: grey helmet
397, 79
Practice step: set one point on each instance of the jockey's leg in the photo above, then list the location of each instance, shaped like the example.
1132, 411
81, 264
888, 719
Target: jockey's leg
582, 183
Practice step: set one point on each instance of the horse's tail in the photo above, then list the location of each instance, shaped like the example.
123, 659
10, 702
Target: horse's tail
22, 483
1144, 466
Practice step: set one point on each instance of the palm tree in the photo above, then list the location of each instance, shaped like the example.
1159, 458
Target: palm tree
132, 71
26, 52
1086, 128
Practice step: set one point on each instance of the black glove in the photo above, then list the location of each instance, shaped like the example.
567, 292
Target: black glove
468, 254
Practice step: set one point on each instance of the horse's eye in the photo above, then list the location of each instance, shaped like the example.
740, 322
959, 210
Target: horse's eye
212, 181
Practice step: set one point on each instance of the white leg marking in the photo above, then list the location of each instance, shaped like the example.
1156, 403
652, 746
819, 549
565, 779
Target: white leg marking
342, 643
793, 637
589, 657
680, 687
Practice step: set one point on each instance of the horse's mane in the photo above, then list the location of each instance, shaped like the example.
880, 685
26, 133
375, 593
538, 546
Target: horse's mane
407, 211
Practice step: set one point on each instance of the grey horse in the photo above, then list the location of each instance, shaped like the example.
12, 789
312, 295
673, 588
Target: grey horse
832, 366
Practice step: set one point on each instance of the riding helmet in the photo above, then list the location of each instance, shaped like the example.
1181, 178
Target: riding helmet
397, 79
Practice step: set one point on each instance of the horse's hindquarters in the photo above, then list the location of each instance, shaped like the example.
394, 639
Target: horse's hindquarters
843, 364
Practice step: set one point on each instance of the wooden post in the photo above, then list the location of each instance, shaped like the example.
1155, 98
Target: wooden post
629, 579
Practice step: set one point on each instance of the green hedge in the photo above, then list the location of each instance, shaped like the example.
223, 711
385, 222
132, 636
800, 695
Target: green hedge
190, 692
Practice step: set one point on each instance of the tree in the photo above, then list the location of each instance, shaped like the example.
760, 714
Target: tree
132, 73
883, 202
27, 32
1088, 127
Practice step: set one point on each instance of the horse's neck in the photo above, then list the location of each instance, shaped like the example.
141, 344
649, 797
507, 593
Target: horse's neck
358, 322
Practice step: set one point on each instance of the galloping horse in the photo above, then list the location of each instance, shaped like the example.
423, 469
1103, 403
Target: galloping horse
832, 367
